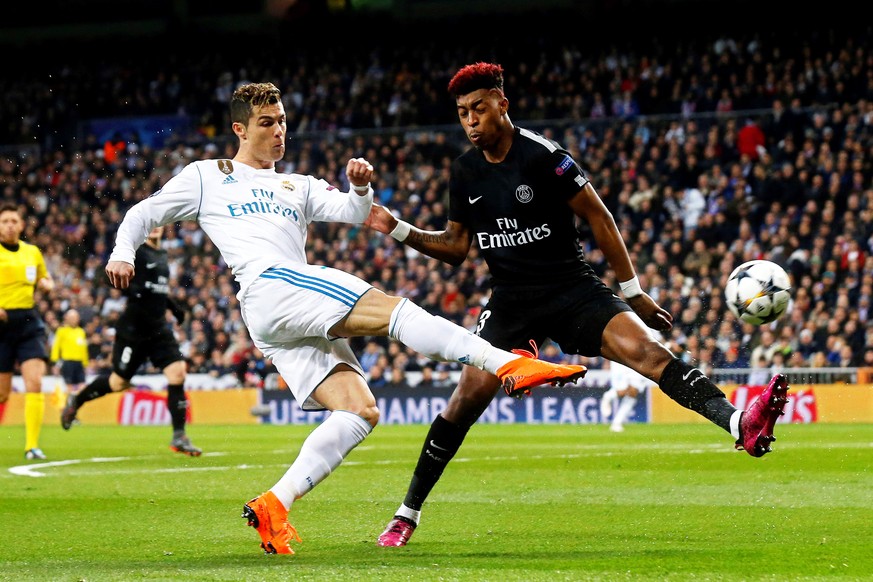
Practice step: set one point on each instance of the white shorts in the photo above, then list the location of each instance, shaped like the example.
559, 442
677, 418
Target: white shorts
621, 377
289, 311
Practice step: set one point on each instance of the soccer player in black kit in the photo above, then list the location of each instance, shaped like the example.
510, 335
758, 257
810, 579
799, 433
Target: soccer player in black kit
142, 334
517, 195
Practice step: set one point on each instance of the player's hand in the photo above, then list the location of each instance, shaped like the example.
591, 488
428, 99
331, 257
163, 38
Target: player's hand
119, 273
177, 311
359, 171
380, 219
651, 313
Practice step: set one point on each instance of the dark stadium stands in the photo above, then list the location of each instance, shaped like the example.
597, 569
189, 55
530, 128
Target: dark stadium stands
666, 125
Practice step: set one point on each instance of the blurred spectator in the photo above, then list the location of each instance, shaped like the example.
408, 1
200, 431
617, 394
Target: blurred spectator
760, 373
777, 364
217, 366
377, 376
764, 350
550, 352
116, 301
112, 148
807, 345
428, 379
257, 369
70, 351
238, 354
732, 359
751, 140
370, 354
397, 379
198, 364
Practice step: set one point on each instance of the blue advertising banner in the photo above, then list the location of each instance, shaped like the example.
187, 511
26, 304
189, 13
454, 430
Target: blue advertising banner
567, 405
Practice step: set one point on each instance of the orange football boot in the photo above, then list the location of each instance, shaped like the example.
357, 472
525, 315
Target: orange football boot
526, 372
270, 518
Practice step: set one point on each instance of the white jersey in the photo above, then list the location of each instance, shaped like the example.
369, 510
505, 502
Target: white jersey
257, 218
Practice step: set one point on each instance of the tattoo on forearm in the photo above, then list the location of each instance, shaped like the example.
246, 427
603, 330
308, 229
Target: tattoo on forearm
427, 238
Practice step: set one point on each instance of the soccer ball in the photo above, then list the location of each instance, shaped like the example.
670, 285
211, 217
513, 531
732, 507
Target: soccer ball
758, 292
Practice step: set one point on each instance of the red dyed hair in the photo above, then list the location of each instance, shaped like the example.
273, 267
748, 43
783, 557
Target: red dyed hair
477, 76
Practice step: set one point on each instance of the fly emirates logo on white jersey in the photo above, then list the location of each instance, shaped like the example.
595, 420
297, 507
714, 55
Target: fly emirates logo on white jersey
263, 203
510, 235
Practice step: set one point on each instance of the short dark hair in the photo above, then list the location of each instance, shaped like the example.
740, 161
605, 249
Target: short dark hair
476, 76
10, 207
247, 97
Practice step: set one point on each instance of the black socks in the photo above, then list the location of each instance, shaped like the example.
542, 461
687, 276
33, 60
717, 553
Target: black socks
442, 442
689, 387
97, 388
177, 404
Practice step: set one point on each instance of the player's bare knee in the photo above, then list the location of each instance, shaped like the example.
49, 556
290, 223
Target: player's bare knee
369, 413
118, 384
175, 372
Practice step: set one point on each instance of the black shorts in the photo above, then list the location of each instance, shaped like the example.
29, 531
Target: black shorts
129, 353
572, 315
72, 372
22, 338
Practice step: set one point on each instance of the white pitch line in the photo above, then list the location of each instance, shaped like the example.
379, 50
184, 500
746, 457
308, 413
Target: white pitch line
32, 470
593, 450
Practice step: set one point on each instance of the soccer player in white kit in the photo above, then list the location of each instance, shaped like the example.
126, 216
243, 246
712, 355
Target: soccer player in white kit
625, 387
299, 314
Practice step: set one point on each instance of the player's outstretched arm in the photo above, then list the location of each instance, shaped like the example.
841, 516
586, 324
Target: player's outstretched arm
588, 205
450, 245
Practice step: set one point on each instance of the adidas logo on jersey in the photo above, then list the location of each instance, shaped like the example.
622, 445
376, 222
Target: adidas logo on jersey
229, 180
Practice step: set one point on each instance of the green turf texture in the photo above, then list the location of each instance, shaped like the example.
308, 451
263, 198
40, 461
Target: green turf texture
520, 502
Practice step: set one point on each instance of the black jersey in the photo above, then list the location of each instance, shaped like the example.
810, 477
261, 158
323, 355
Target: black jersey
147, 295
518, 212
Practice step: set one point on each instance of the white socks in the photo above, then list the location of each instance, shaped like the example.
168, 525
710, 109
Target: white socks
624, 410
735, 424
440, 339
412, 515
607, 402
322, 452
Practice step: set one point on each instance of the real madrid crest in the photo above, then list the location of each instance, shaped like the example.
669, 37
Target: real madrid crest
524, 194
226, 166
287, 185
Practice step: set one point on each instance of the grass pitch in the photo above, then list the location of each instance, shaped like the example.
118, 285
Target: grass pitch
520, 502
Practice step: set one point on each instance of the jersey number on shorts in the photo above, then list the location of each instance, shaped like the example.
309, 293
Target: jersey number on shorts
482, 318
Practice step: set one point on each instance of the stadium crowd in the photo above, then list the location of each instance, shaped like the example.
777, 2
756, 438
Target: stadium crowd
708, 154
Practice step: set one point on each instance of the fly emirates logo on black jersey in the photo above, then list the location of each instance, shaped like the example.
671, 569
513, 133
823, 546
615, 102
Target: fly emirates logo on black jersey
263, 203
161, 287
509, 235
